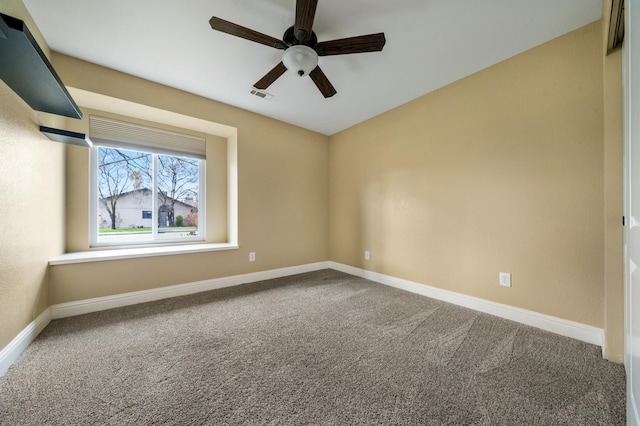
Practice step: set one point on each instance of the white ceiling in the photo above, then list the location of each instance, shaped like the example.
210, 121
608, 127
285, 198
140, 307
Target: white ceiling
430, 43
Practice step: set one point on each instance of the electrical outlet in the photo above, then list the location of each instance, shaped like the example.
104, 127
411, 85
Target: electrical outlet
367, 255
252, 256
505, 279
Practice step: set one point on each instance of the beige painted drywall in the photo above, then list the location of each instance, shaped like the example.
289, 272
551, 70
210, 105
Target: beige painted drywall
613, 196
32, 190
613, 205
499, 172
283, 195
77, 177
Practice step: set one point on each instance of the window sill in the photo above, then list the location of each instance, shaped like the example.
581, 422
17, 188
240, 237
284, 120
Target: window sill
133, 253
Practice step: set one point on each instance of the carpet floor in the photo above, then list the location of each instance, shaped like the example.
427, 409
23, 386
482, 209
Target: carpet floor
322, 348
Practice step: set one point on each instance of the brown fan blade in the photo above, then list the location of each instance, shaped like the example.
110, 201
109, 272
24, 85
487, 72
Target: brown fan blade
246, 33
305, 12
322, 82
270, 77
359, 44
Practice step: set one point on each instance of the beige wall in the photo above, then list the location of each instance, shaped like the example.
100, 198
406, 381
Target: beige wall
283, 195
77, 180
499, 172
515, 169
613, 209
613, 194
32, 224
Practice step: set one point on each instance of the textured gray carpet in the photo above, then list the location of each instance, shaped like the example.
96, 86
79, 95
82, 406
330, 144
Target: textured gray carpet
321, 348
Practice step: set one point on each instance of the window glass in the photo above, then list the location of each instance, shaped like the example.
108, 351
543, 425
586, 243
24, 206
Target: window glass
178, 190
146, 197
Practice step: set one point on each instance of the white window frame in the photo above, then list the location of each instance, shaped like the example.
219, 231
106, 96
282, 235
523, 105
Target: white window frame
115, 107
153, 241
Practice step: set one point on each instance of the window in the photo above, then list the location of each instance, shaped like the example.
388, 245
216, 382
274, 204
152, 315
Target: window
148, 185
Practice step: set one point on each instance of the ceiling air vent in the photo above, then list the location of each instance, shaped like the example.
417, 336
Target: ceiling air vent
261, 94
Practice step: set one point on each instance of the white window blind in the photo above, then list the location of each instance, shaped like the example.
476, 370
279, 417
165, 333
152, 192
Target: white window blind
118, 134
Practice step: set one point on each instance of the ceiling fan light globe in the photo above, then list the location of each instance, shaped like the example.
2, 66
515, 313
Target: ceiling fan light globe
300, 59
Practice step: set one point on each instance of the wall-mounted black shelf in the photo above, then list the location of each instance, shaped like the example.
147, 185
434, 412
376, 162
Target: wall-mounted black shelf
28, 72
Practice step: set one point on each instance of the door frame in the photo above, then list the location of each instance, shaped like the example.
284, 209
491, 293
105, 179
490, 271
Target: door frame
631, 135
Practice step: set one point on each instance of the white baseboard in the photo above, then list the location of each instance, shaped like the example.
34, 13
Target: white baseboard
632, 409
19, 344
80, 307
585, 333
12, 352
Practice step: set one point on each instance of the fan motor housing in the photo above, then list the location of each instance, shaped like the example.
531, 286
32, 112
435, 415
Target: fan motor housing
290, 38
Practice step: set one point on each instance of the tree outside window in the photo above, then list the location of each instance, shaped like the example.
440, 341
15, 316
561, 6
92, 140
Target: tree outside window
126, 183
120, 171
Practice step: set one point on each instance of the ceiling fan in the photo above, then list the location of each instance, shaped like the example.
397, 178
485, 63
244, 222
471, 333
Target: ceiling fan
301, 46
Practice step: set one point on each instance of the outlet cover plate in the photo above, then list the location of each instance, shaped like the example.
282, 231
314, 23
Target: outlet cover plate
505, 279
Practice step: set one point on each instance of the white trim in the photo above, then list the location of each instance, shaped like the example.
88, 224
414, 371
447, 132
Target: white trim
93, 189
202, 200
19, 344
232, 188
631, 143
12, 352
152, 237
583, 332
155, 115
132, 253
80, 307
